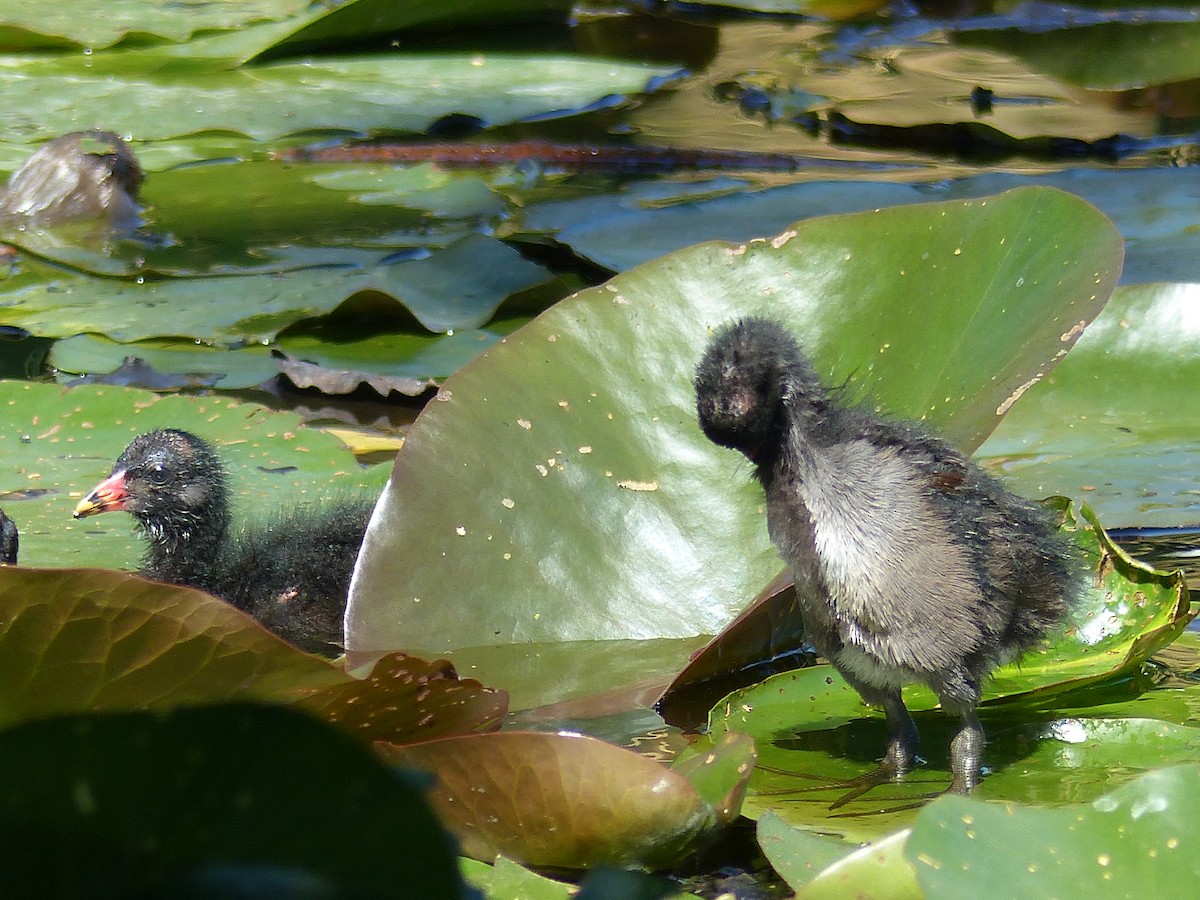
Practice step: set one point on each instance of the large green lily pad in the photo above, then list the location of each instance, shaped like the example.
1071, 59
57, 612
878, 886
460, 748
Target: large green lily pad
1136, 841
596, 509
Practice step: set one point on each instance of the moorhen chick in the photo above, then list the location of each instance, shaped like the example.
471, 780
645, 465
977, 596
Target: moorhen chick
291, 574
81, 175
911, 564
9, 540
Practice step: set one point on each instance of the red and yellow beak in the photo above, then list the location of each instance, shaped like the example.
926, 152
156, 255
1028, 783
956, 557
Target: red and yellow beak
108, 495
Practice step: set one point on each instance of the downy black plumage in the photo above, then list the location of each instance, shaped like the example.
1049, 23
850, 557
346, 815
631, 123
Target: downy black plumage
291, 573
911, 564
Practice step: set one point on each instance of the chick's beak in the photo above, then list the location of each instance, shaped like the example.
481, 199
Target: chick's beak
107, 495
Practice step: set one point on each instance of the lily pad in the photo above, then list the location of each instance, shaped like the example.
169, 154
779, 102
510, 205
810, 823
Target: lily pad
826, 867
96, 25
160, 364
386, 93
459, 287
405, 700
505, 880
1040, 759
560, 672
348, 21
255, 215
597, 510
1115, 422
1105, 56
1137, 840
139, 804
102, 641
400, 361
798, 856
569, 801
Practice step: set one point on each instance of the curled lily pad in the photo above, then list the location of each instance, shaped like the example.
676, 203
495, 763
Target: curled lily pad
826, 867
569, 801
405, 699
100, 640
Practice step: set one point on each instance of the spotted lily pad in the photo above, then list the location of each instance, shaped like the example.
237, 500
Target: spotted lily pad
1137, 840
596, 510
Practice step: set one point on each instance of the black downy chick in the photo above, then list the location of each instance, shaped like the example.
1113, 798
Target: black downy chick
911, 564
292, 574
9, 540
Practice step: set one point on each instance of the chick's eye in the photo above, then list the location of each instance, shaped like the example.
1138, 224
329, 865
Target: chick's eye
157, 474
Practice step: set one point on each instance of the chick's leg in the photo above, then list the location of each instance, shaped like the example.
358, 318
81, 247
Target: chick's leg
959, 697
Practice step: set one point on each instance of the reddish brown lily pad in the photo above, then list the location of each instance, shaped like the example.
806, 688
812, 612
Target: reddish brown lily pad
73, 640
407, 699
79, 640
570, 801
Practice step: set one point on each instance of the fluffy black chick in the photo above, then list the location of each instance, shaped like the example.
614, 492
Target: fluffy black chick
911, 564
292, 574
9, 540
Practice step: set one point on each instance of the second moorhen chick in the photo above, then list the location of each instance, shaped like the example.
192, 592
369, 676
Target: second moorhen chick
10, 540
911, 564
292, 574
81, 175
